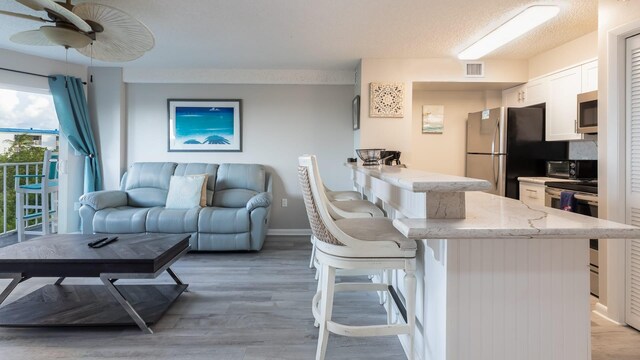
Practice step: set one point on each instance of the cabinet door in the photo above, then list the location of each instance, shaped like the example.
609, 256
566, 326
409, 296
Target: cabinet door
590, 76
532, 194
562, 112
535, 92
512, 97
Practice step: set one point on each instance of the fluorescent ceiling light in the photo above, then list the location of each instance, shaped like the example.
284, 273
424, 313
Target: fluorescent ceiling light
527, 20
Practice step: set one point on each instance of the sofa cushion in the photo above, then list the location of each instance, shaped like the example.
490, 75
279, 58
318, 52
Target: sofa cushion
163, 220
185, 192
148, 183
237, 183
223, 220
121, 219
224, 242
197, 169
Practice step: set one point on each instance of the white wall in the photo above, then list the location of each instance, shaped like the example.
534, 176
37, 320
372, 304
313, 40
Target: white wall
577, 51
616, 20
280, 122
72, 166
444, 153
107, 107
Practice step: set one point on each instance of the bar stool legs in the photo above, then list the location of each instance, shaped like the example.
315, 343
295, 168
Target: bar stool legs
322, 306
327, 277
410, 287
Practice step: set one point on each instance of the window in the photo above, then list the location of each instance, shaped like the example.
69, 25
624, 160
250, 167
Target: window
28, 126
28, 118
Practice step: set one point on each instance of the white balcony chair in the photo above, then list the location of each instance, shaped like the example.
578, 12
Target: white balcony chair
45, 190
352, 244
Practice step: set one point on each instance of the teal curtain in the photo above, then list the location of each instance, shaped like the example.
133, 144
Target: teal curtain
73, 114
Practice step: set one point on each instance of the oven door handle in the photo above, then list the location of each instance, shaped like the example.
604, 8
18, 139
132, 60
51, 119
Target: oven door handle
553, 192
590, 199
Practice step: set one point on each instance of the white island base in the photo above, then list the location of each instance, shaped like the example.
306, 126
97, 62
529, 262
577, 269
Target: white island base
507, 282
503, 299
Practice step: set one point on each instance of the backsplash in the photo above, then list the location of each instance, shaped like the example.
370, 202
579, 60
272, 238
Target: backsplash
583, 150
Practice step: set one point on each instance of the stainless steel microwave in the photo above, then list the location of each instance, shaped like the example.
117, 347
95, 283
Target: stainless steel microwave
587, 122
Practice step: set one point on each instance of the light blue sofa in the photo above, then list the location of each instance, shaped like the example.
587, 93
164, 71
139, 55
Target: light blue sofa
236, 217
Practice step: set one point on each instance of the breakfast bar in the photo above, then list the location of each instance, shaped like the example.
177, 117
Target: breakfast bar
497, 279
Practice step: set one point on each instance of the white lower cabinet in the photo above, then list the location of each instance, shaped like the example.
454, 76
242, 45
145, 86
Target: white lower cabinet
532, 193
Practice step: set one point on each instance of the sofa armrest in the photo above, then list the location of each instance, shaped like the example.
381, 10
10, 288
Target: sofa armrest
262, 199
99, 200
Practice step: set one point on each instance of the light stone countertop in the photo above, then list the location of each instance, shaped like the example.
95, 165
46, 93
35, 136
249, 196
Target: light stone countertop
421, 181
492, 217
543, 180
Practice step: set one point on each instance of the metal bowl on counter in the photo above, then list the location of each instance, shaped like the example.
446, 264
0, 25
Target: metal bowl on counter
370, 156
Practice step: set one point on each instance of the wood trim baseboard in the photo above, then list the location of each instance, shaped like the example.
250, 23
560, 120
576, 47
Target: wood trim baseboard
603, 312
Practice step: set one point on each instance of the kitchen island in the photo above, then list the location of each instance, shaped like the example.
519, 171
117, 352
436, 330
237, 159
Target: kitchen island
504, 281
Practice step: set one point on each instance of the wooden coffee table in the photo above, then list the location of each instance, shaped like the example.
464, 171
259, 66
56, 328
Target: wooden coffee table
133, 256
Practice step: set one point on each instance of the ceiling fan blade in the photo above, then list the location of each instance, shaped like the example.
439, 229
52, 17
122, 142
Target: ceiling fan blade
35, 5
31, 37
61, 11
23, 16
123, 38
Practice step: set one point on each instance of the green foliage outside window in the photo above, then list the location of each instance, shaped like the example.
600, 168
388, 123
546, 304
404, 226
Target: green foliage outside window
21, 150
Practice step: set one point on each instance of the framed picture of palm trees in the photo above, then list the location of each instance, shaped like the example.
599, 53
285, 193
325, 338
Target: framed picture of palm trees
205, 125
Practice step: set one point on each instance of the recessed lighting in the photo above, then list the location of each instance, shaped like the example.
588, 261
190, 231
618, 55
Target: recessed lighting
525, 21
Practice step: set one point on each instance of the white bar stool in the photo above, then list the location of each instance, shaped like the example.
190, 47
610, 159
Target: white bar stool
352, 244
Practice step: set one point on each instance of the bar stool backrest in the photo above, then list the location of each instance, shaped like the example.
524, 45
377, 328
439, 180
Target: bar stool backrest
318, 228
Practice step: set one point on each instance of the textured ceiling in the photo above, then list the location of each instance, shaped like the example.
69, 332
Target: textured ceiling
320, 34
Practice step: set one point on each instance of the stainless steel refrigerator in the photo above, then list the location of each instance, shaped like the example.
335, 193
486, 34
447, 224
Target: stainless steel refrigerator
504, 144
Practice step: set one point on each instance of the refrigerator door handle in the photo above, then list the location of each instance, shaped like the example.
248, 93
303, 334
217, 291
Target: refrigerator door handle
493, 141
493, 171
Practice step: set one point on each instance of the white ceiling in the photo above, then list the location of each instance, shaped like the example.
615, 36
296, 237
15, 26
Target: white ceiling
318, 34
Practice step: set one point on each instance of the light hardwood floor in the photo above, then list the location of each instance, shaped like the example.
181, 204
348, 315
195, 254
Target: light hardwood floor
239, 306
246, 306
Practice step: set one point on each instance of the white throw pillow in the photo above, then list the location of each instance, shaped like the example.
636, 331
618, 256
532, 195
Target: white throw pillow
185, 191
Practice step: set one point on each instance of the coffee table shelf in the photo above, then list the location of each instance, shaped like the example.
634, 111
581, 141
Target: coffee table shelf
88, 305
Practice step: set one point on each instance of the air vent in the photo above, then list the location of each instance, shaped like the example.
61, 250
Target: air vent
474, 69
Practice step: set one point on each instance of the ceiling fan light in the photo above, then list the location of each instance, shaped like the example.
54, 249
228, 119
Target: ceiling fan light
522, 23
66, 37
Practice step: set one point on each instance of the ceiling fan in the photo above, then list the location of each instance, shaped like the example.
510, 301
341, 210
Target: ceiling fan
99, 31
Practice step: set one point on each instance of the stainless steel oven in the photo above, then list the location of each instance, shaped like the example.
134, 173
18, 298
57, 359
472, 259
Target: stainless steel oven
586, 195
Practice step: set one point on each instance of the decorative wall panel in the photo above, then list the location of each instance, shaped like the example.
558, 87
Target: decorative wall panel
386, 100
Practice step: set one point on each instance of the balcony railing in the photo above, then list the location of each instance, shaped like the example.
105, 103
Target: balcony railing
8, 209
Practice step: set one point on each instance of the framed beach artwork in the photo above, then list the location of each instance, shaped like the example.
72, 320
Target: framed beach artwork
205, 125
432, 119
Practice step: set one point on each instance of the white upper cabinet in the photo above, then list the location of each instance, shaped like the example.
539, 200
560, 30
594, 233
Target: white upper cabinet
531, 93
562, 111
513, 97
590, 76
536, 92
559, 91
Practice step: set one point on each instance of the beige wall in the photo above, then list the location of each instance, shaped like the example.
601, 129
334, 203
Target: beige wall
580, 50
616, 20
396, 133
444, 153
